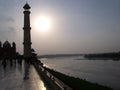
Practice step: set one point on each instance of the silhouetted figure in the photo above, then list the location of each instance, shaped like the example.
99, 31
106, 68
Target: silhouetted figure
19, 61
11, 62
4, 63
0, 50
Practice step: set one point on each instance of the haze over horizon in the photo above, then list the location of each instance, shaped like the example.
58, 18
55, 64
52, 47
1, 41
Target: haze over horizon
79, 26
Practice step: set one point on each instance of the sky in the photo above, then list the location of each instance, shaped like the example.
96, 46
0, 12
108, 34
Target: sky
78, 26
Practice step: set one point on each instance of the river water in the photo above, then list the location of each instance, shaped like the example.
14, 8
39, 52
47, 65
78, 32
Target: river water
104, 72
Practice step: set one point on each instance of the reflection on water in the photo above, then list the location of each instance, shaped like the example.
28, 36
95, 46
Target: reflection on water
100, 71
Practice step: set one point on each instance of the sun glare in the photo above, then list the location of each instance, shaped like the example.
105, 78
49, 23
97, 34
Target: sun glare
42, 23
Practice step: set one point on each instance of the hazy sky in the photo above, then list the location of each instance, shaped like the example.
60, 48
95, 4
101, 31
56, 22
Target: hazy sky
78, 26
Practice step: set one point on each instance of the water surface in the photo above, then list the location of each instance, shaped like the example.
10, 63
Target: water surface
105, 72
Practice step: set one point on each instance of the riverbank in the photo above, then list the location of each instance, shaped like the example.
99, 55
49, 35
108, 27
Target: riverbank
77, 83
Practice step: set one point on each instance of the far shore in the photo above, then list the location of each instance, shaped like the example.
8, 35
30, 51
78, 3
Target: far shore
96, 58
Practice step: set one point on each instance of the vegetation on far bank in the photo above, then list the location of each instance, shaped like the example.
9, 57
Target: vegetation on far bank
77, 83
105, 56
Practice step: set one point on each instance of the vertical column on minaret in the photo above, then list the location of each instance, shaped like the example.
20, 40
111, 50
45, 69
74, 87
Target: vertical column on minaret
27, 35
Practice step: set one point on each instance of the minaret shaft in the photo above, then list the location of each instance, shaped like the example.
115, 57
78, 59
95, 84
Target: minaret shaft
27, 34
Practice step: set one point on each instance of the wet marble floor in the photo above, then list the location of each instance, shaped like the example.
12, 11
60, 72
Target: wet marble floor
12, 77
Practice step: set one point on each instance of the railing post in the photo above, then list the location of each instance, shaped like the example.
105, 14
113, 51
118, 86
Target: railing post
50, 76
40, 68
53, 78
65, 88
45, 72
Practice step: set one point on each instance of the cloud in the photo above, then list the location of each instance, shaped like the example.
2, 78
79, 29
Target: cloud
7, 24
11, 29
4, 18
7, 30
10, 19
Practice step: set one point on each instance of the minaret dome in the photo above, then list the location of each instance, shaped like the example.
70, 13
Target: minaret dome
26, 6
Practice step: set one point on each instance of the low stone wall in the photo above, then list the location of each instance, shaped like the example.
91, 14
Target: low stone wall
50, 80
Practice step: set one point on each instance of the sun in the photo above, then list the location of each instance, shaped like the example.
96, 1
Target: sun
42, 23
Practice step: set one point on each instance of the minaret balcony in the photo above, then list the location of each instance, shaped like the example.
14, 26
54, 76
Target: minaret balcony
26, 28
27, 43
26, 12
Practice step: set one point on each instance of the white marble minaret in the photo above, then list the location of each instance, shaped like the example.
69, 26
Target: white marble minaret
27, 35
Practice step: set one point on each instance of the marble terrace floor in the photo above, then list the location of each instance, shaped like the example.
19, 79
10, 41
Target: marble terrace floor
12, 77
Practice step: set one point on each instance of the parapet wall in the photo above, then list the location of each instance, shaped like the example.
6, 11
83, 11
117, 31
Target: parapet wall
49, 79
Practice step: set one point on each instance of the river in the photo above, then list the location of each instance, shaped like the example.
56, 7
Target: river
104, 72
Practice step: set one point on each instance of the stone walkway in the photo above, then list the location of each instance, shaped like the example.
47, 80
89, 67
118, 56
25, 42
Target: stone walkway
12, 78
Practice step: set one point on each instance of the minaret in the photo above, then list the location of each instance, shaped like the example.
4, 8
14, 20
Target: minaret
27, 36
